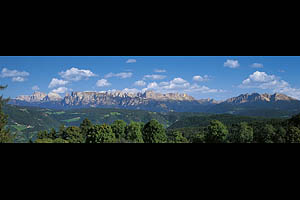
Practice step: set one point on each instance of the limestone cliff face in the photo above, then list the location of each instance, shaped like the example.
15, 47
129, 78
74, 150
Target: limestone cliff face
153, 101
259, 98
147, 101
120, 98
38, 97
52, 97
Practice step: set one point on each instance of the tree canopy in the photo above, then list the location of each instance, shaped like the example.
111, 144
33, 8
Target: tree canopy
5, 135
154, 132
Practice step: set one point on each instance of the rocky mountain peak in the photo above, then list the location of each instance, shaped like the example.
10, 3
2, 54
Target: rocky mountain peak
256, 97
53, 97
37, 96
281, 97
168, 96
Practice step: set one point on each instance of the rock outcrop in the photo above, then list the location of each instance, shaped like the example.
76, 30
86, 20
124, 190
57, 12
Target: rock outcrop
258, 98
158, 102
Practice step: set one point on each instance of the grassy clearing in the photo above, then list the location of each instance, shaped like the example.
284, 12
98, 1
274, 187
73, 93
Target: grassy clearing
19, 127
55, 113
72, 120
59, 113
24, 110
115, 114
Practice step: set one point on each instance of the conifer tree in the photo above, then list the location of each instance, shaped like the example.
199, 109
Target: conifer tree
5, 135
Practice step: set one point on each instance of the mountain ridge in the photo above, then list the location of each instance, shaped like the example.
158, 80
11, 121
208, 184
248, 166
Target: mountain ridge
157, 102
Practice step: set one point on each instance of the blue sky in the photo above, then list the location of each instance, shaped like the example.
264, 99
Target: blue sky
218, 77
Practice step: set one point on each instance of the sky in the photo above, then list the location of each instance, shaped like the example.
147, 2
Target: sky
217, 77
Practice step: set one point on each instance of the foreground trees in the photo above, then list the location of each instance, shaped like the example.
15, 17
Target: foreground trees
177, 137
287, 131
118, 127
154, 132
241, 133
85, 126
100, 134
216, 132
5, 135
134, 133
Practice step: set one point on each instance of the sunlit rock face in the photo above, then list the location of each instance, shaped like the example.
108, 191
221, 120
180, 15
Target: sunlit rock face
52, 97
158, 102
148, 100
255, 97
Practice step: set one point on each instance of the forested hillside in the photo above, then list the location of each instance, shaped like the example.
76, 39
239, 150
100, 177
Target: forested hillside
272, 131
26, 122
30, 124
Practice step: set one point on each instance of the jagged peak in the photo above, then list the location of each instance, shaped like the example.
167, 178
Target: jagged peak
256, 97
54, 95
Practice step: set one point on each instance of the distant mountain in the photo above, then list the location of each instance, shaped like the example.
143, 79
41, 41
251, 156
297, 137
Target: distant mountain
266, 105
39, 97
259, 98
149, 100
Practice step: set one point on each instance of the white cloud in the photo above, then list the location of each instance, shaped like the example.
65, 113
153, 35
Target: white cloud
257, 65
122, 75
140, 83
18, 79
75, 74
262, 80
153, 85
132, 90
201, 78
179, 85
131, 61
56, 82
154, 77
232, 64
203, 89
258, 78
102, 83
17, 76
35, 88
60, 90
160, 70
13, 73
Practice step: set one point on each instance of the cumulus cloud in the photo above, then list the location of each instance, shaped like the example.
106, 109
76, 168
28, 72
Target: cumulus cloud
131, 61
13, 73
17, 76
75, 74
154, 77
203, 89
60, 90
131, 90
140, 83
18, 79
257, 65
122, 75
57, 82
35, 88
160, 70
232, 64
262, 80
201, 78
102, 83
179, 85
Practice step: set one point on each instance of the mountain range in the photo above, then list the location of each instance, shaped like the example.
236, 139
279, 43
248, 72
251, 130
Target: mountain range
254, 104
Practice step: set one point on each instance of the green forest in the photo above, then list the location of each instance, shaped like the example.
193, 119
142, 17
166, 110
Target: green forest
287, 131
